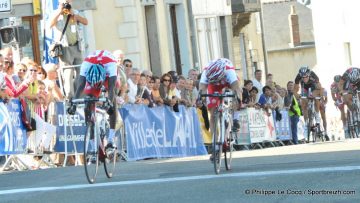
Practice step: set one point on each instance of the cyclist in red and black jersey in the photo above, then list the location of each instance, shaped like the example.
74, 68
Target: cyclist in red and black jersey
310, 87
349, 84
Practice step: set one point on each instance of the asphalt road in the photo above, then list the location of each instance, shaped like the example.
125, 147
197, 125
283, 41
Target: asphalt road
325, 172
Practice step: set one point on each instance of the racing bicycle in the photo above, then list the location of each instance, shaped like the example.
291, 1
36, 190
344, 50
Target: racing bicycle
223, 137
94, 141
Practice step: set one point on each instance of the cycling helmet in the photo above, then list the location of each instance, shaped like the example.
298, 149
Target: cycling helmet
96, 75
216, 70
304, 71
337, 78
354, 75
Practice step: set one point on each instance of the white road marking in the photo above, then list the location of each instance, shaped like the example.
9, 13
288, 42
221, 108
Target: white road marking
162, 180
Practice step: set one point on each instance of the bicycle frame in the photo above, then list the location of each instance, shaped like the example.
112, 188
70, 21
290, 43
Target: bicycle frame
311, 117
221, 130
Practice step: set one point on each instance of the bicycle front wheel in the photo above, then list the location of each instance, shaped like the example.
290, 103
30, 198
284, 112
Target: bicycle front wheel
228, 150
217, 144
91, 154
110, 160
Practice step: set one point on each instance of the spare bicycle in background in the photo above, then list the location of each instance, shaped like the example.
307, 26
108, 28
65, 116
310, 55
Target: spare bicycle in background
94, 141
222, 135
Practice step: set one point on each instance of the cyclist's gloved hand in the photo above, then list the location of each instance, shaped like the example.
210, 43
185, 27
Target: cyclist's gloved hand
72, 109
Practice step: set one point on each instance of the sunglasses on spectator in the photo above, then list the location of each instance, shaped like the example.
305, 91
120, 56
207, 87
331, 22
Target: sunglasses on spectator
128, 65
22, 70
32, 70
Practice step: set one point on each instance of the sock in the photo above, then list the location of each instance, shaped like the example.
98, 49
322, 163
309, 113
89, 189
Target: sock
111, 136
317, 117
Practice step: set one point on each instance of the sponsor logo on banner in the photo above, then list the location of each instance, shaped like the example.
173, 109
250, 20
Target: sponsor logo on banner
270, 133
257, 125
283, 129
160, 132
12, 133
243, 136
78, 130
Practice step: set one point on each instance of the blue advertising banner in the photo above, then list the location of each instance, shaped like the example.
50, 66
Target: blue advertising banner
79, 130
282, 127
12, 132
160, 132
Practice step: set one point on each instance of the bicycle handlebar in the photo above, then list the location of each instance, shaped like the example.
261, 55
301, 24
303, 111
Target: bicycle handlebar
89, 99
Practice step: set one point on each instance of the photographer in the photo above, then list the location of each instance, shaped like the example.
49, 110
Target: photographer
70, 41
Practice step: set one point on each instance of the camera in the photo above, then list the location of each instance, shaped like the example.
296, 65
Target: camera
67, 6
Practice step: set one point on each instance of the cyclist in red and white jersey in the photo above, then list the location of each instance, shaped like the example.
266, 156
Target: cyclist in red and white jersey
217, 75
339, 103
99, 69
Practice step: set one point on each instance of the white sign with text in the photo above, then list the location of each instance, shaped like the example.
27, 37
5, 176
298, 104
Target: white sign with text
5, 5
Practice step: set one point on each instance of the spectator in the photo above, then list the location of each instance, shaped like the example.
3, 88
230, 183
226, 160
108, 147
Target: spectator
155, 91
193, 74
53, 90
165, 89
294, 113
265, 100
288, 97
133, 81
119, 55
248, 85
276, 100
128, 65
3, 87
269, 81
252, 100
20, 72
257, 82
148, 74
40, 105
143, 92
50, 82
7, 53
184, 93
71, 41
192, 91
1, 63
12, 89
41, 74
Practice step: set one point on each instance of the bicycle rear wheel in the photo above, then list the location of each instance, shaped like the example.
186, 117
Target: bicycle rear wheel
110, 161
228, 150
217, 145
91, 153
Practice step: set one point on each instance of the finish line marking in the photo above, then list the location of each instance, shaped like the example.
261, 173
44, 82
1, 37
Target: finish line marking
162, 180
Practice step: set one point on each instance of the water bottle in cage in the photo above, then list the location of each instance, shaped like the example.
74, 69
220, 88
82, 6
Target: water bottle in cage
310, 92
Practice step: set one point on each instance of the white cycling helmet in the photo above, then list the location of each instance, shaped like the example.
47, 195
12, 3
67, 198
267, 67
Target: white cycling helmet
215, 71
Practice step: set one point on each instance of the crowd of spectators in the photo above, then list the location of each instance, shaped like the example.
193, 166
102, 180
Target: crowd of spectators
39, 87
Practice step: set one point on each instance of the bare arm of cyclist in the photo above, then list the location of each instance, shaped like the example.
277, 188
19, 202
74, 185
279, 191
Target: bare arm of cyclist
235, 86
80, 86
